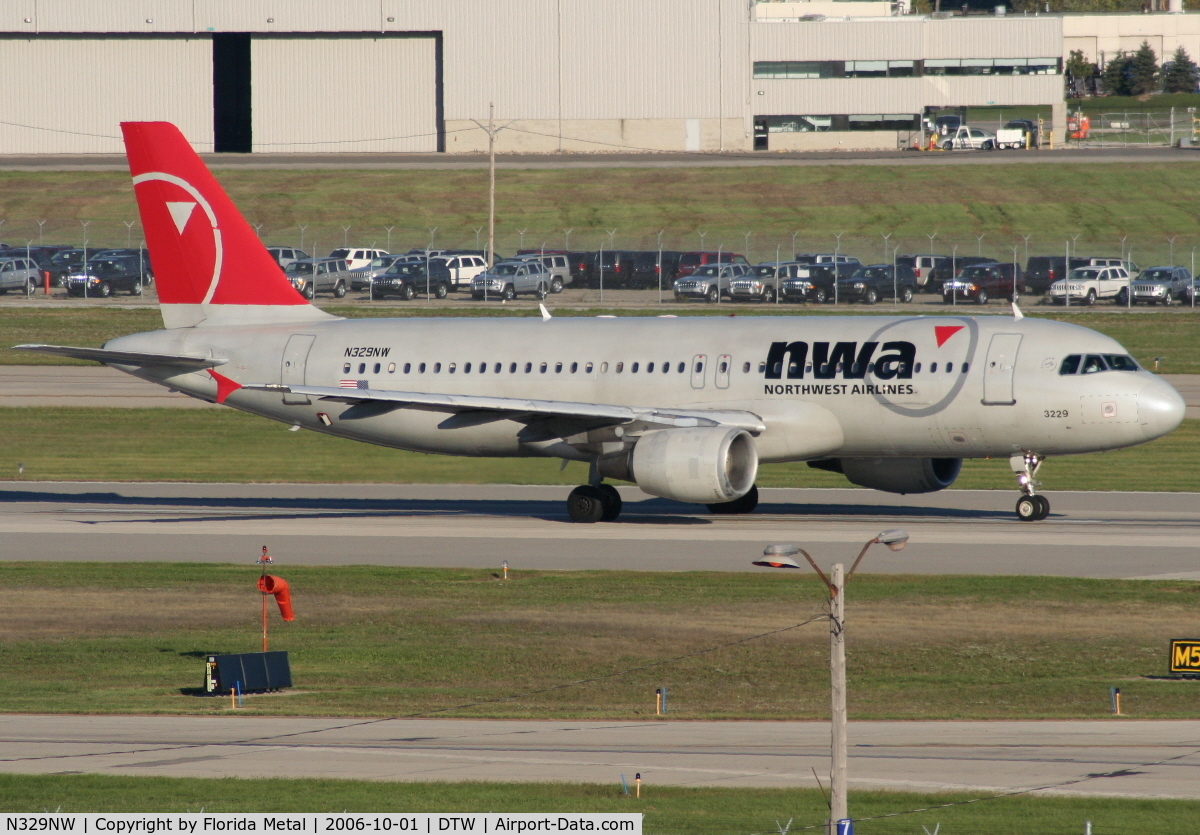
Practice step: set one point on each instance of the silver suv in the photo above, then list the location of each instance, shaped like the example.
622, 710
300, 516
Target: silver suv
18, 274
328, 275
710, 282
1162, 285
508, 279
556, 265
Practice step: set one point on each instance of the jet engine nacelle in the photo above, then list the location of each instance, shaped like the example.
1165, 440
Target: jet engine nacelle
902, 475
705, 465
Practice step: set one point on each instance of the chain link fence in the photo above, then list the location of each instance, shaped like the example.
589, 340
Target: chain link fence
756, 246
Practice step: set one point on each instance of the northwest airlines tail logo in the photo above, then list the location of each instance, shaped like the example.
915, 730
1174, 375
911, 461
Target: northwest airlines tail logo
791, 360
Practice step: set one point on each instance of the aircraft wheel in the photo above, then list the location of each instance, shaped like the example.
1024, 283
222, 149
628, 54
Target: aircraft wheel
745, 504
1033, 508
585, 504
611, 500
1043, 507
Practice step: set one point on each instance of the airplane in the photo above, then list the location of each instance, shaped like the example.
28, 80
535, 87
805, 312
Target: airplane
686, 408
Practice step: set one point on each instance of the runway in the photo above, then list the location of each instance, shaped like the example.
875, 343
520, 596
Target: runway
1118, 758
1144, 535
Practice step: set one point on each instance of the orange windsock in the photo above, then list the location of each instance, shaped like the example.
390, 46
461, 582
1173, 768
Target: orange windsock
270, 584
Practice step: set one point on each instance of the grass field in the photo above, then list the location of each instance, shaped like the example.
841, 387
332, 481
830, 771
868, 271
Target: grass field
668, 810
130, 638
203, 445
1168, 334
1099, 203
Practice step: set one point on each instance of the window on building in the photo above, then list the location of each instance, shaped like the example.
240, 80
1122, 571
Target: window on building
883, 121
794, 69
798, 124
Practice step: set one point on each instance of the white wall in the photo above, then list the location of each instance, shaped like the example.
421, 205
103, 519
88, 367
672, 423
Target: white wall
73, 93
332, 94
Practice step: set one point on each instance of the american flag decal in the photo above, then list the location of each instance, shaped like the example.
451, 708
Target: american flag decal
353, 384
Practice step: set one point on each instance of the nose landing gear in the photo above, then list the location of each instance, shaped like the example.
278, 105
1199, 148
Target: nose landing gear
1031, 507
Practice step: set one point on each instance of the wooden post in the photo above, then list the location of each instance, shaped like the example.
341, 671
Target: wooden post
837, 674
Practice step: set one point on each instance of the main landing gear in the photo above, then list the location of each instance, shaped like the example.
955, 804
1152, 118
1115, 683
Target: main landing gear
594, 503
602, 503
1031, 507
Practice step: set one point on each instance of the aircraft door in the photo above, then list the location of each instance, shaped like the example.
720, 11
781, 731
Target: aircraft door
698, 370
722, 373
291, 369
998, 370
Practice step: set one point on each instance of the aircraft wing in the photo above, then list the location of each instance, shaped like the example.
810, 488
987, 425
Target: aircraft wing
125, 357
514, 406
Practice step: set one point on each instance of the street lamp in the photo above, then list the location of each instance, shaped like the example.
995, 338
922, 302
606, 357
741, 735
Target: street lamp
782, 555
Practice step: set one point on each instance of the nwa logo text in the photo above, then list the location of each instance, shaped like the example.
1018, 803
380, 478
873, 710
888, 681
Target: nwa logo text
788, 360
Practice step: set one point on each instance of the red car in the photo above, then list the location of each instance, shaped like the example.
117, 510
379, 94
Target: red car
689, 261
981, 282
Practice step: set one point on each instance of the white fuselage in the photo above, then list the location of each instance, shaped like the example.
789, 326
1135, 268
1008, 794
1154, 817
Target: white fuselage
992, 387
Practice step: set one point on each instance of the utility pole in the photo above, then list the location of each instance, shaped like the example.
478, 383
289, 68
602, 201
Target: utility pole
838, 805
491, 132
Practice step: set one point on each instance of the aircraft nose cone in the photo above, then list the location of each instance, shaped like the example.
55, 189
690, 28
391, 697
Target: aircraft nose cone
1160, 409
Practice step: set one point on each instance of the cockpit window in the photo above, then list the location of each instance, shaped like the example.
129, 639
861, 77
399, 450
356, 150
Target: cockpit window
1095, 363
1120, 362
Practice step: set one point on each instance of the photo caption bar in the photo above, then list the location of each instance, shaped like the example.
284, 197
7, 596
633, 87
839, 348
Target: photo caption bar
201, 823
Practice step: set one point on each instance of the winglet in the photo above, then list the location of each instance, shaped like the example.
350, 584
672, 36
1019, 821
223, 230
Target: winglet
545, 312
1017, 314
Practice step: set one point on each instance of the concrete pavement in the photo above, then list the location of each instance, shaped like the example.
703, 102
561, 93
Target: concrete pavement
1113, 758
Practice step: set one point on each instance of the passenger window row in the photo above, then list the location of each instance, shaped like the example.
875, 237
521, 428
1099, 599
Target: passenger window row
528, 367
933, 367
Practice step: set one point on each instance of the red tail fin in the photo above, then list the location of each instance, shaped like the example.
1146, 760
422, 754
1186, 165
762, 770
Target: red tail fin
209, 266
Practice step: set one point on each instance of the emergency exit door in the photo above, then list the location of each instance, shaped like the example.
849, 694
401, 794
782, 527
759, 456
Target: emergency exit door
291, 369
998, 369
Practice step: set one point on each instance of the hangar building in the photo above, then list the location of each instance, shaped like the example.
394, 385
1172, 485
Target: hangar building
268, 76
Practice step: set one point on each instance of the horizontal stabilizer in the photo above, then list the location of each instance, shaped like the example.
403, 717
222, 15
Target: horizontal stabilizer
125, 357
520, 406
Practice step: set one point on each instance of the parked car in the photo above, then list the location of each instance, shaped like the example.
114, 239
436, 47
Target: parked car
409, 279
361, 278
1087, 284
764, 283
967, 138
689, 261
509, 279
325, 275
285, 255
710, 281
1161, 285
19, 273
982, 282
107, 275
556, 265
356, 258
41, 255
930, 270
615, 266
813, 282
648, 272
62, 263
1043, 270
843, 261
878, 281
463, 267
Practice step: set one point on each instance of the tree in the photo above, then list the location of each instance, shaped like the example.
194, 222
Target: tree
1117, 75
1143, 71
1079, 72
1180, 75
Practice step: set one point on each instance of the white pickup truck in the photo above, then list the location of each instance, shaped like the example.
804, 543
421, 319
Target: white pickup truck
1087, 284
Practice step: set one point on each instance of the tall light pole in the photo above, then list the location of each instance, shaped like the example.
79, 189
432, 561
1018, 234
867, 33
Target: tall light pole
979, 243
389, 237
41, 227
567, 239
746, 237
885, 243
781, 555
931, 237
